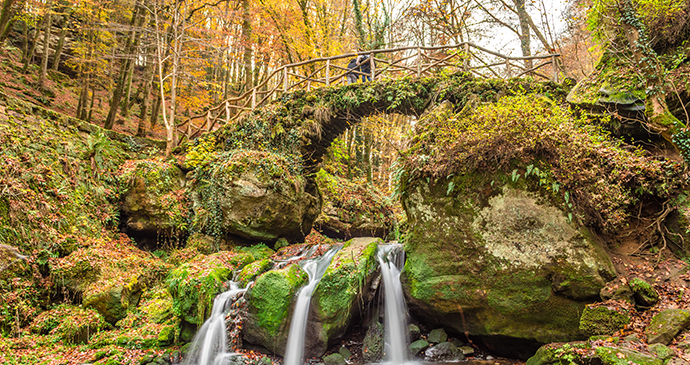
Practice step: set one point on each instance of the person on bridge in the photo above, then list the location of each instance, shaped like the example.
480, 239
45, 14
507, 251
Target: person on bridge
364, 63
351, 76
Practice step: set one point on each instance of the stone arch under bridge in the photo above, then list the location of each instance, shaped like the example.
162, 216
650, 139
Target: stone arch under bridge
308, 122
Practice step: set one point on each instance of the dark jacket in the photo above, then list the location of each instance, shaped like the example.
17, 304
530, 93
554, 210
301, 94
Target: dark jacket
353, 65
365, 65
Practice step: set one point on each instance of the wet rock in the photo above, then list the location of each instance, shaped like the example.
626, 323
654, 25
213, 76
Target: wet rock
466, 350
643, 292
338, 298
445, 351
372, 347
601, 320
677, 361
666, 324
265, 360
417, 347
413, 332
634, 338
437, 336
334, 359
559, 354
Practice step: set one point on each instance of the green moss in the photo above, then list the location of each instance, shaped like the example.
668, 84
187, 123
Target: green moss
644, 292
552, 354
602, 321
624, 356
272, 295
253, 270
518, 291
343, 281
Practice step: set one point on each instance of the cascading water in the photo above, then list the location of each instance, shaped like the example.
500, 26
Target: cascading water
315, 269
210, 343
391, 260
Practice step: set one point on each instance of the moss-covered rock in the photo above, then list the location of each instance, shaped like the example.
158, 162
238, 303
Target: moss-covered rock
153, 199
417, 347
352, 210
559, 354
444, 351
500, 254
253, 195
437, 336
195, 284
624, 356
342, 289
267, 322
253, 270
666, 324
334, 359
600, 320
643, 292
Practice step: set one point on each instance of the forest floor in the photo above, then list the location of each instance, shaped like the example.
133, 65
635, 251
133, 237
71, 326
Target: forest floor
61, 94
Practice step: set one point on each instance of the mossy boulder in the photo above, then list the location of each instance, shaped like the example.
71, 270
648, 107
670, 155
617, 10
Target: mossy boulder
437, 336
195, 284
334, 359
666, 324
624, 356
253, 270
444, 351
153, 198
601, 320
497, 257
339, 296
417, 347
352, 210
253, 196
269, 303
559, 354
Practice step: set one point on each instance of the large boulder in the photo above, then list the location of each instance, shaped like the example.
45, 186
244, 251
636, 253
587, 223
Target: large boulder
352, 210
253, 196
340, 295
269, 305
500, 259
153, 198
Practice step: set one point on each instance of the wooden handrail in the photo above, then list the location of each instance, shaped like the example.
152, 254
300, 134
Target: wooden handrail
413, 63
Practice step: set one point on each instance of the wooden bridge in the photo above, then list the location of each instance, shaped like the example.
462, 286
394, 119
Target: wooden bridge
385, 64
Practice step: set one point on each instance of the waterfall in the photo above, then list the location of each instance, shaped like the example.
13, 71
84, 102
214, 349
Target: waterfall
315, 269
209, 345
391, 260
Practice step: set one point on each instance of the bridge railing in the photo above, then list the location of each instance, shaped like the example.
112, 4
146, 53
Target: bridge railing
388, 63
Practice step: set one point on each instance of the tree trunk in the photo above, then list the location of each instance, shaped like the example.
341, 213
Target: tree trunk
247, 39
5, 17
368, 141
46, 46
524, 31
30, 54
141, 130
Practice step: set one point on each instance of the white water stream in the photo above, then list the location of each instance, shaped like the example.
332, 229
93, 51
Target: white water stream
391, 260
210, 343
315, 269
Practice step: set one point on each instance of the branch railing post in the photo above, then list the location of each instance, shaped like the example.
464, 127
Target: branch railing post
328, 72
227, 111
466, 58
285, 79
509, 72
373, 66
253, 98
419, 62
208, 120
555, 69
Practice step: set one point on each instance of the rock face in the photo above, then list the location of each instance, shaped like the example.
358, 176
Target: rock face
152, 197
665, 325
352, 210
498, 259
253, 196
601, 320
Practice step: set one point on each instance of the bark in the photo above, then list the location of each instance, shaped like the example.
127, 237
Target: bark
246, 39
46, 46
5, 16
28, 57
141, 129
524, 31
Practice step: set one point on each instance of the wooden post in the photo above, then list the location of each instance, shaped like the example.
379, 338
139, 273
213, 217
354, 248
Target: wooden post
509, 72
328, 72
208, 121
555, 69
419, 62
253, 98
466, 60
285, 79
189, 129
373, 66
227, 112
